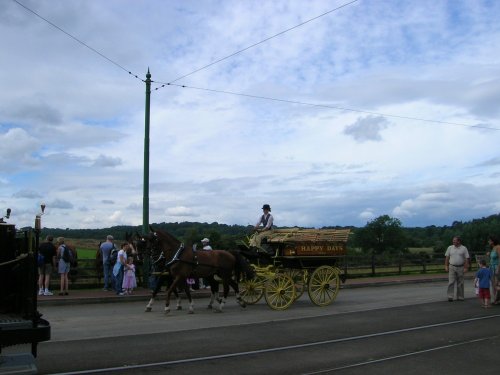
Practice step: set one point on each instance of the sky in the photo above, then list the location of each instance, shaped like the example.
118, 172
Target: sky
333, 112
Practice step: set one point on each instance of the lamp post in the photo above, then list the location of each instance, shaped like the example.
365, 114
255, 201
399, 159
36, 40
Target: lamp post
145, 197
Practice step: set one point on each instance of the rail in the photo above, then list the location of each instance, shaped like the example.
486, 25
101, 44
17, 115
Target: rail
354, 266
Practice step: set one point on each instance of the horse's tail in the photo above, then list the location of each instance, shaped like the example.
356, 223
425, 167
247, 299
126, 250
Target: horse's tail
242, 265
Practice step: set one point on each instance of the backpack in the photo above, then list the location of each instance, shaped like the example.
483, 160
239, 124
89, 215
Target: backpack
113, 257
67, 255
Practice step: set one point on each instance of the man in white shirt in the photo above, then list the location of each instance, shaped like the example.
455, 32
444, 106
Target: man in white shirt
456, 264
266, 220
206, 244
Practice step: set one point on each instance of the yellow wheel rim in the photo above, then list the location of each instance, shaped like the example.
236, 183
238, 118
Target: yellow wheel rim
280, 292
251, 291
324, 285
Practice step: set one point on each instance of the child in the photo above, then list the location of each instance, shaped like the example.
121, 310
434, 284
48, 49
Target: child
484, 276
129, 280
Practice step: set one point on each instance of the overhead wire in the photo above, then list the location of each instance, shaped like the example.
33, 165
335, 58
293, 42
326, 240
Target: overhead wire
263, 41
478, 126
172, 83
77, 40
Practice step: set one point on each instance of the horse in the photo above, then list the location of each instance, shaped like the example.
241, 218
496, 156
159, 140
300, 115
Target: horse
158, 275
184, 262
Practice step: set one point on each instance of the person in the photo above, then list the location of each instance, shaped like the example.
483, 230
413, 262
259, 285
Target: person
456, 264
118, 269
106, 248
266, 220
484, 276
206, 244
129, 280
494, 255
63, 267
49, 251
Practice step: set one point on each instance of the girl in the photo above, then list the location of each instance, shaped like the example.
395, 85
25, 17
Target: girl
129, 280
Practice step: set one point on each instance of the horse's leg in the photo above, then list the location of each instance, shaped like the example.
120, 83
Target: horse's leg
188, 294
236, 289
177, 296
225, 285
156, 290
169, 293
178, 307
214, 291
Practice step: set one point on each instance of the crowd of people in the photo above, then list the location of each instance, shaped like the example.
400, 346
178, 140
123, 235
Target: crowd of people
118, 267
486, 280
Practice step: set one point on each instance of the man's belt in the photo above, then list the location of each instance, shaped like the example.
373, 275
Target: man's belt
459, 265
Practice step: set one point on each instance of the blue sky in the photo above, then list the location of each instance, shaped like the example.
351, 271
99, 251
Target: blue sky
377, 103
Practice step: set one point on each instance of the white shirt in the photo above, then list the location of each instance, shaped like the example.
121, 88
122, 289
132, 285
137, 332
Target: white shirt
457, 255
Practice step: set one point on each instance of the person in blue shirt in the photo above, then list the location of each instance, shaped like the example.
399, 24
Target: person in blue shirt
106, 248
484, 276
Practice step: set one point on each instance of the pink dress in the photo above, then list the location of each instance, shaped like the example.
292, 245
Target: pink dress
129, 281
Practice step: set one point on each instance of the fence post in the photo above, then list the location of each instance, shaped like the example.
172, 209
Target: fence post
373, 263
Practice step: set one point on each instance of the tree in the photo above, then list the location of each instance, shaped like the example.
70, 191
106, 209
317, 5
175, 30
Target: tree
382, 235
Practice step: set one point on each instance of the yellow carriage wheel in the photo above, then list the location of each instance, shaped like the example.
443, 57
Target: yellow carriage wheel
280, 292
324, 285
299, 280
252, 290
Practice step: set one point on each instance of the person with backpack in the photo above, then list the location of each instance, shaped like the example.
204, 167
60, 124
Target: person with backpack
107, 249
64, 256
46, 262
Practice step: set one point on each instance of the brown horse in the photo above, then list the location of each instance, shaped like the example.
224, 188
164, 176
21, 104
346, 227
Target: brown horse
186, 261
158, 275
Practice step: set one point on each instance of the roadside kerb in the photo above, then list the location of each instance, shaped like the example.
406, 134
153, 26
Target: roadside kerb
88, 296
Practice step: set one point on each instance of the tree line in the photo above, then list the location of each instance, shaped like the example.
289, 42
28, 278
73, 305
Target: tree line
382, 235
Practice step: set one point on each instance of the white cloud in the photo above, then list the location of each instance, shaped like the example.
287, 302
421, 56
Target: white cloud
72, 122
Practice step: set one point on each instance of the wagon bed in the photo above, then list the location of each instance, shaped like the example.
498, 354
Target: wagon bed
301, 259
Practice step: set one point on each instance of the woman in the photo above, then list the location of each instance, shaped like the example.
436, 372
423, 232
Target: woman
494, 255
63, 267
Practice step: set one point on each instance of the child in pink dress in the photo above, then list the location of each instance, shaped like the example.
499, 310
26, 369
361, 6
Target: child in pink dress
129, 280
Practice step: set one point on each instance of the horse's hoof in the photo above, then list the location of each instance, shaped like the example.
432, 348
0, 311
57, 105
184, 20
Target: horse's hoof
179, 307
190, 312
148, 309
209, 307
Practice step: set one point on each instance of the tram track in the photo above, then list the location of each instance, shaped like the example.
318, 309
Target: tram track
367, 349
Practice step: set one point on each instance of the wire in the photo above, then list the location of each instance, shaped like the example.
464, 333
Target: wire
262, 41
331, 107
78, 40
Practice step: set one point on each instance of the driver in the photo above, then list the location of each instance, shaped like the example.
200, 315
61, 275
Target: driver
263, 228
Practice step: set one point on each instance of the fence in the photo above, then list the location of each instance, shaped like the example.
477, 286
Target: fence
85, 275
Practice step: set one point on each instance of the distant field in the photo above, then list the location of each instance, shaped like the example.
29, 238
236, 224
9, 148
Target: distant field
86, 248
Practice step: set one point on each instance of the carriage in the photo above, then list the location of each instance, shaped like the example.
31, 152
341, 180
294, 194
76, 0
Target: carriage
20, 321
297, 260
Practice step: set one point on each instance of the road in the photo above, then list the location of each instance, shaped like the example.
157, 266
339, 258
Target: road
408, 328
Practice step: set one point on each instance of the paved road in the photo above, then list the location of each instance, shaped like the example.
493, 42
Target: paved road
378, 329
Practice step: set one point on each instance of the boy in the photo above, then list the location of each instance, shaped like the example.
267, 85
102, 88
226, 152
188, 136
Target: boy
484, 276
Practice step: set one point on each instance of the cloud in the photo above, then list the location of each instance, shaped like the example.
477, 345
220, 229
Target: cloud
367, 128
60, 204
368, 120
107, 161
27, 194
